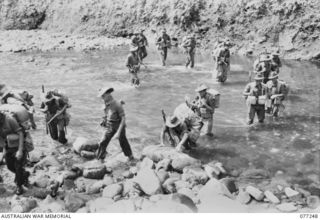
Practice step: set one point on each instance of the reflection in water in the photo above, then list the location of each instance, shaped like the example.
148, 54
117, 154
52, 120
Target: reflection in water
277, 145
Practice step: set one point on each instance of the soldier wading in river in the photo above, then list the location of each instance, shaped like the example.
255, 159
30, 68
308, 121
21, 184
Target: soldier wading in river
189, 45
114, 123
133, 64
163, 43
256, 94
55, 107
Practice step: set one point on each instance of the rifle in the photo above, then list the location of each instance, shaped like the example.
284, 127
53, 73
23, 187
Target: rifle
57, 114
45, 120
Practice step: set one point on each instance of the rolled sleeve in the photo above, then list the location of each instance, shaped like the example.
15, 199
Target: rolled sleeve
120, 110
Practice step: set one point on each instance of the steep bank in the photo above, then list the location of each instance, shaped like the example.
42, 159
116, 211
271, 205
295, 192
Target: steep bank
252, 25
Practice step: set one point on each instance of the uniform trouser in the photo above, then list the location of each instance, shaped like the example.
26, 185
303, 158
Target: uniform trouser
253, 109
190, 58
56, 130
111, 130
208, 124
142, 52
17, 167
163, 55
134, 77
222, 72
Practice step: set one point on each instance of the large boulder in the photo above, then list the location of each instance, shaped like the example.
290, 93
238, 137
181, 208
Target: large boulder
146, 163
71, 175
230, 184
164, 164
157, 153
87, 154
114, 162
94, 170
179, 160
35, 156
74, 202
21, 204
212, 171
36, 192
95, 187
112, 190
313, 202
271, 197
148, 181
213, 188
188, 192
291, 193
162, 175
83, 183
182, 161
195, 174
107, 180
185, 200
243, 197
82, 143
180, 184
257, 194
42, 181
131, 189
169, 185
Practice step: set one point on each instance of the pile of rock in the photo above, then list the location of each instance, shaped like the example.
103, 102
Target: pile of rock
163, 180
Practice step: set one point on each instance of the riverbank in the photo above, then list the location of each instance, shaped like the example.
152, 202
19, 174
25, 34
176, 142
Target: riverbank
252, 25
40, 41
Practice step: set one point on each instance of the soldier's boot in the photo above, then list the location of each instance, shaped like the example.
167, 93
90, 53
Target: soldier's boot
19, 190
62, 137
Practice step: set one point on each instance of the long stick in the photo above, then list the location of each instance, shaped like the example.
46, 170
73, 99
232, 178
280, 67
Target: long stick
57, 114
45, 120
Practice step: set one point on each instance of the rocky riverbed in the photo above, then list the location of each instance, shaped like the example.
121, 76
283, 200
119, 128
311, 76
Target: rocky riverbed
160, 180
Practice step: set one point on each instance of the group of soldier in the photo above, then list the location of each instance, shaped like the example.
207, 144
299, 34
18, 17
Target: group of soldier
267, 93
16, 120
180, 130
138, 52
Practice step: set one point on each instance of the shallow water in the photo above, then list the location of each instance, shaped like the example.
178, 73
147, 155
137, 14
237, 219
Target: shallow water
290, 145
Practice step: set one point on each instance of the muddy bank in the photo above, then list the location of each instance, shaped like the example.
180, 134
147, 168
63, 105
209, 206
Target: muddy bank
292, 25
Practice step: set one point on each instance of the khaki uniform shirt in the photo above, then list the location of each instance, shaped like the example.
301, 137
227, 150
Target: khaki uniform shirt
113, 112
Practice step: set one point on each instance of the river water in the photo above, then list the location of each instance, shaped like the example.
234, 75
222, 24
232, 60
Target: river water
290, 145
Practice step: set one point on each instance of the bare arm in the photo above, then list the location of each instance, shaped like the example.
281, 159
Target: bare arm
121, 126
246, 91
